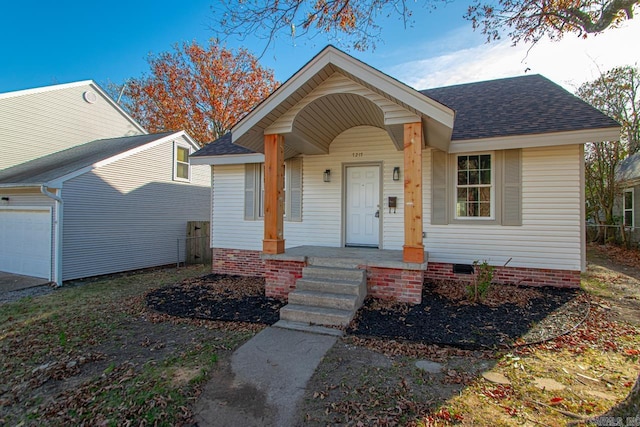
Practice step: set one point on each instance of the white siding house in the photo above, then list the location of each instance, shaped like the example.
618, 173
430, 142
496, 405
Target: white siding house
484, 171
104, 197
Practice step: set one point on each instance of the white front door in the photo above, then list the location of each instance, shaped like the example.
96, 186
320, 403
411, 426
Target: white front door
363, 206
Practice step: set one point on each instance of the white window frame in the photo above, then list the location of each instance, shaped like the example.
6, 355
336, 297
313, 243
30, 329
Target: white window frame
492, 189
176, 147
626, 208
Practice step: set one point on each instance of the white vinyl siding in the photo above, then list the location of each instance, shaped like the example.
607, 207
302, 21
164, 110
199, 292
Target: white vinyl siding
550, 233
130, 214
548, 237
54, 120
321, 201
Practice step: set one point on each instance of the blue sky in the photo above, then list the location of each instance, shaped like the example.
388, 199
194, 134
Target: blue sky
47, 43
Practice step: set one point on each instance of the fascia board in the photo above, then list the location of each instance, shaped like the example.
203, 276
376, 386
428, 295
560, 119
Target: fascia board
537, 140
229, 159
43, 89
331, 55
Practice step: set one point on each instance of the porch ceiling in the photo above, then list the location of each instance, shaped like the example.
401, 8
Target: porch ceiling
321, 121
330, 113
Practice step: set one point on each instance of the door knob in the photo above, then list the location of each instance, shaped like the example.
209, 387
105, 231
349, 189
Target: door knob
378, 214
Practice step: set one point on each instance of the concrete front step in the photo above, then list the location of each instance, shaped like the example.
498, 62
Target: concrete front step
334, 262
329, 285
305, 327
333, 273
324, 299
316, 315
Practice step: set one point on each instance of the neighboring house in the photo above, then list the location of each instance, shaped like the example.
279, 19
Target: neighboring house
85, 191
628, 177
442, 178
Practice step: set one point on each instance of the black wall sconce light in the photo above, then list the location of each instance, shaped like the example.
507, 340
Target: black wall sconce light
396, 173
326, 176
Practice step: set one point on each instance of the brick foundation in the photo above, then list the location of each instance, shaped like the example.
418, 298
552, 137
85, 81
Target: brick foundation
511, 275
386, 283
237, 261
281, 277
396, 284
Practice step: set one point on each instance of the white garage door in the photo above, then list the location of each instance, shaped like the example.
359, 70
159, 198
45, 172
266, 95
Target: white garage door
25, 242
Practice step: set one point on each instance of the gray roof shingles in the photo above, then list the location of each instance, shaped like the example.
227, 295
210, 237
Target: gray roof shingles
524, 105
56, 165
220, 147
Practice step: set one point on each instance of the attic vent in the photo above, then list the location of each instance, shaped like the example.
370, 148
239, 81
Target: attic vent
89, 96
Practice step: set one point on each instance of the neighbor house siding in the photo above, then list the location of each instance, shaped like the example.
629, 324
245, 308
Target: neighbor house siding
551, 227
19, 198
37, 124
130, 214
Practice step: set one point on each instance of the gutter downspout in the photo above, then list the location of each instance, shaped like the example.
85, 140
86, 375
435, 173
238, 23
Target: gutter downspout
57, 268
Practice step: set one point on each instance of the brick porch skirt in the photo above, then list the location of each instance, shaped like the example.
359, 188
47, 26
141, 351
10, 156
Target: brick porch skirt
404, 285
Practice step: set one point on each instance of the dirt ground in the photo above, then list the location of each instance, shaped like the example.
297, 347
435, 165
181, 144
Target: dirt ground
621, 271
362, 381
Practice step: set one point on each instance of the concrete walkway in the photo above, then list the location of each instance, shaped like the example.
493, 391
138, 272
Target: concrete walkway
14, 282
265, 381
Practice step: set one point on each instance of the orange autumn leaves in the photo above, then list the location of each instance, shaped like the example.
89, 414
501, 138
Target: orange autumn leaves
204, 90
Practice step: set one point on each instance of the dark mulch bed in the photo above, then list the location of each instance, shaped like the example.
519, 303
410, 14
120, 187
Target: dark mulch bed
508, 315
217, 297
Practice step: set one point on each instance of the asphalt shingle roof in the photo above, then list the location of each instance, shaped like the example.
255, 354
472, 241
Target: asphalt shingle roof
221, 146
524, 105
629, 168
56, 165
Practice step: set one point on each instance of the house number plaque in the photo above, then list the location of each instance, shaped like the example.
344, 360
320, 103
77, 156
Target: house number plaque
360, 154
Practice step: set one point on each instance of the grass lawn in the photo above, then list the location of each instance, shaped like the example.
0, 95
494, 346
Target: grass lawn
92, 353
95, 354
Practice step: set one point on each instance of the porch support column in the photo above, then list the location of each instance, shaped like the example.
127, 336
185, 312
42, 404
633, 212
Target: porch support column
413, 249
273, 242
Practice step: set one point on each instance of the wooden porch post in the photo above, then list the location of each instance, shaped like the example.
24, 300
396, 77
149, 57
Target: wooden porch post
273, 242
413, 249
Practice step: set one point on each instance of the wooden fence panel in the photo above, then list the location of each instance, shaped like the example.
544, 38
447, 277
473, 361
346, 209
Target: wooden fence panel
197, 243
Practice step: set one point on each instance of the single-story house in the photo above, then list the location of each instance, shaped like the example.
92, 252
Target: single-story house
86, 191
342, 157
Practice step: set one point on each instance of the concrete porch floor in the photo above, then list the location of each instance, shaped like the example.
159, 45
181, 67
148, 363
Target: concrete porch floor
372, 257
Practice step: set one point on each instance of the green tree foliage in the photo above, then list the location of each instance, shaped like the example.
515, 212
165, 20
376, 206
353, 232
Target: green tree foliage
355, 23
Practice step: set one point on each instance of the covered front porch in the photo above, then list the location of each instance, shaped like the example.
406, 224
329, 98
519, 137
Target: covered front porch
387, 275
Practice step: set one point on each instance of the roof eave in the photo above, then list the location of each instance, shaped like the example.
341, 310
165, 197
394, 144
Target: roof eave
332, 56
536, 140
228, 159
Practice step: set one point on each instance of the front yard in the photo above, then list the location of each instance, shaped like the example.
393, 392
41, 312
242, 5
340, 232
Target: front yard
95, 353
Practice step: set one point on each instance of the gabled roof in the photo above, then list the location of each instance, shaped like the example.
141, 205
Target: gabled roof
379, 92
522, 105
222, 146
58, 166
91, 83
629, 168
